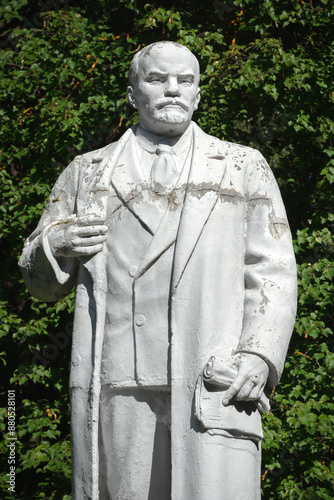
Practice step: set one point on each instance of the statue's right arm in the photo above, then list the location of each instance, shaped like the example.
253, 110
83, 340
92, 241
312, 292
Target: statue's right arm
49, 277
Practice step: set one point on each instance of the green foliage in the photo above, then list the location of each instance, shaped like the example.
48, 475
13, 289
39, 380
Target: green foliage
267, 81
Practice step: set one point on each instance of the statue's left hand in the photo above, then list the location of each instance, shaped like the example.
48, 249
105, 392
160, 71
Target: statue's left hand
250, 381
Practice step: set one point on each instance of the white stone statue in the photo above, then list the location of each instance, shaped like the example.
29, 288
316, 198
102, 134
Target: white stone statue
180, 251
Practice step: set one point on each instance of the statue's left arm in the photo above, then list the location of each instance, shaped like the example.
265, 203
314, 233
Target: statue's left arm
270, 286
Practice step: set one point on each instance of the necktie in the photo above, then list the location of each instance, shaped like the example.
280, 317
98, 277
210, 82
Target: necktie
164, 173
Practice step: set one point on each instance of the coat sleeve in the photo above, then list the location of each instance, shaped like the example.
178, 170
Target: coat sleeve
48, 278
269, 271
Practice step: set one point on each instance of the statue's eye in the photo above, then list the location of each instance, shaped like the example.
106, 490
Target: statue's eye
156, 78
186, 80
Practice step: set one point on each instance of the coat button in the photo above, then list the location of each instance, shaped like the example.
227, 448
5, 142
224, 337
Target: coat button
140, 319
132, 271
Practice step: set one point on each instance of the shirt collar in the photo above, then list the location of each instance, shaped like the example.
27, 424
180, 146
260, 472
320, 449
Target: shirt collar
149, 141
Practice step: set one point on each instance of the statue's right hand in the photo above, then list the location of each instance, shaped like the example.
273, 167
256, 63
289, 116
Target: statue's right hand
83, 236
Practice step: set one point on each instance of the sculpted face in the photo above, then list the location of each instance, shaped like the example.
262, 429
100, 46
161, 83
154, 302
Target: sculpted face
166, 91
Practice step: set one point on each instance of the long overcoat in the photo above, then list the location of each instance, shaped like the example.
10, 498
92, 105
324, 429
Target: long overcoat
233, 291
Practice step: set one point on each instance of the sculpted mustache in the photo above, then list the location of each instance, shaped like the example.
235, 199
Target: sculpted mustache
166, 102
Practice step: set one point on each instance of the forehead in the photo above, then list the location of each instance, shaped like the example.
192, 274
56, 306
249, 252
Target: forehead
168, 59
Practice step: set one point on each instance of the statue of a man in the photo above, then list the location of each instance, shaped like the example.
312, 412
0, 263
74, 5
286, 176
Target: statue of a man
180, 251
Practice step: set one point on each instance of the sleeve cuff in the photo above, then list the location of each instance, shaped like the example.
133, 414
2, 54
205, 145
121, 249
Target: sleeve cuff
62, 266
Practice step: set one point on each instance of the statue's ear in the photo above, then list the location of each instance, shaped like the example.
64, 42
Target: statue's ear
198, 98
131, 98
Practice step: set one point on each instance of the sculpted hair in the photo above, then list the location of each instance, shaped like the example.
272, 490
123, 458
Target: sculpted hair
133, 70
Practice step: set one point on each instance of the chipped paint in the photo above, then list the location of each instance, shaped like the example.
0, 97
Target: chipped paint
231, 196
278, 229
265, 299
199, 190
257, 199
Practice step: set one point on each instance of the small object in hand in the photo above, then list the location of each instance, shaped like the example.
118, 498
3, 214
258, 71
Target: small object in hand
222, 374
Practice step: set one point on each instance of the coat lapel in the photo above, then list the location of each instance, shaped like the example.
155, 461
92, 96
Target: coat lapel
205, 177
165, 234
95, 185
132, 188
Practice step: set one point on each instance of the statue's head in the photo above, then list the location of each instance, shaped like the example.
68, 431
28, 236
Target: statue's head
164, 79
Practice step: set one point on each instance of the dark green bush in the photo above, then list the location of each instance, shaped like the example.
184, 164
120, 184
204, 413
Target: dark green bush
267, 81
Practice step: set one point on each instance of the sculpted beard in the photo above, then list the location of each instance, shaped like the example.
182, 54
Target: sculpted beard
170, 116
171, 110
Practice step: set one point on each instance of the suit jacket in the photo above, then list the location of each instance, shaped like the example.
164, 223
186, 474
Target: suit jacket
136, 336
233, 287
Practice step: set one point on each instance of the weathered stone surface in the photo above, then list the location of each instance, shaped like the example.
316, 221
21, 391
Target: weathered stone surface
185, 297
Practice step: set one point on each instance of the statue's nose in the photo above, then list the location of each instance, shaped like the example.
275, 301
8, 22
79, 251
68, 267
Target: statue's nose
172, 87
